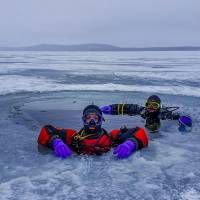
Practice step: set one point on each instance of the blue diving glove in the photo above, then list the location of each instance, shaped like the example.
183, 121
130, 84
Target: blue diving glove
106, 109
125, 149
185, 124
61, 149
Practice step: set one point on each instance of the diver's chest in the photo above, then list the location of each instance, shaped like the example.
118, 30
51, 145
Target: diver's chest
96, 146
101, 142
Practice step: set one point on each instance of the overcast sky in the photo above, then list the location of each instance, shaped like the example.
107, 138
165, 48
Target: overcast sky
135, 23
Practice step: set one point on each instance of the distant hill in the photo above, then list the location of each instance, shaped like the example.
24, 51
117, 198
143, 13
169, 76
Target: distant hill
95, 47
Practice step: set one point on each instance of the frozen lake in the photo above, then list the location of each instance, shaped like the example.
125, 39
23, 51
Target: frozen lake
37, 88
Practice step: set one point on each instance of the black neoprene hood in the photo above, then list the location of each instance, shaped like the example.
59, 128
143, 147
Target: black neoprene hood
92, 109
154, 98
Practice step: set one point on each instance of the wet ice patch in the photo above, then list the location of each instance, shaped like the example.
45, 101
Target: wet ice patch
20, 188
190, 194
16, 84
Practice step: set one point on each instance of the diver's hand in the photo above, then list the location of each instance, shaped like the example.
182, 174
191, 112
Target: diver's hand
185, 123
61, 149
106, 109
125, 149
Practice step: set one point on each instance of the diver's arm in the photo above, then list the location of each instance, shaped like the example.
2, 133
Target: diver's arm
169, 115
56, 139
49, 133
128, 141
175, 116
128, 109
136, 135
140, 136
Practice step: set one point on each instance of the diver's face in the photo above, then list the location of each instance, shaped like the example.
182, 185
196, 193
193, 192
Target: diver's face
152, 107
151, 110
92, 116
92, 119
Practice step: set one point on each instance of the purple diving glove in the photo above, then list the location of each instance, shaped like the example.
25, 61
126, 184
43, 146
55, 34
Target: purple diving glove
185, 123
61, 149
106, 109
125, 149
